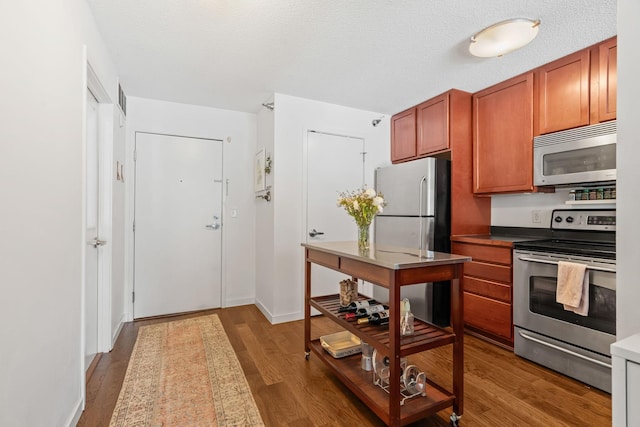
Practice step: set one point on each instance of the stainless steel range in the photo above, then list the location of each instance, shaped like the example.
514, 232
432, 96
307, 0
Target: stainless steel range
546, 333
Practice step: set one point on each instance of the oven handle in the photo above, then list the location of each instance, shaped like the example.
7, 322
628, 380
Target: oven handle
564, 350
544, 261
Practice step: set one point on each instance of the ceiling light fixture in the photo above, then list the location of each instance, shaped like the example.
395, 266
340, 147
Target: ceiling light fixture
504, 37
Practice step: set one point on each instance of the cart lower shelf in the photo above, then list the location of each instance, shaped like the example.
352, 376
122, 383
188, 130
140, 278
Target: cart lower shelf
360, 382
425, 337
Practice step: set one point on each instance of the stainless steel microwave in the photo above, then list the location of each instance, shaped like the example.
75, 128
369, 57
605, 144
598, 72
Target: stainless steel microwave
576, 156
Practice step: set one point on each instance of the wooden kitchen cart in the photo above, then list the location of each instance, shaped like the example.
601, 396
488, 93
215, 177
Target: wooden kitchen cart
390, 267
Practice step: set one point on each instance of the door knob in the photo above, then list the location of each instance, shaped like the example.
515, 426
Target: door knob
314, 233
97, 242
215, 225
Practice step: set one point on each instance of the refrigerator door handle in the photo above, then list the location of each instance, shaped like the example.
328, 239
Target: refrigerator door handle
422, 181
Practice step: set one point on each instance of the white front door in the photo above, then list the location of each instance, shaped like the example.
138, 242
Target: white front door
334, 164
178, 224
92, 232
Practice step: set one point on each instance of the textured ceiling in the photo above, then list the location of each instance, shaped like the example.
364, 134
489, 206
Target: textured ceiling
377, 55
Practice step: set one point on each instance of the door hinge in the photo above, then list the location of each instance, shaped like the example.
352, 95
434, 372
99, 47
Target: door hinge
134, 226
133, 297
135, 155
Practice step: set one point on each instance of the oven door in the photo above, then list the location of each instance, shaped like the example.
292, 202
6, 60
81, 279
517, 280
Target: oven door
535, 308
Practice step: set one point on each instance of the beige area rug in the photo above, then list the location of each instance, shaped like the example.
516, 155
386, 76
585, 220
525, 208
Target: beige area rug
185, 373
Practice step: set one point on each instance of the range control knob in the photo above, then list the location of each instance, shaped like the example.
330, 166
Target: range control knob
558, 219
569, 219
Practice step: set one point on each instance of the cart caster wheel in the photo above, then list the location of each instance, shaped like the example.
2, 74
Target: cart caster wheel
307, 355
454, 419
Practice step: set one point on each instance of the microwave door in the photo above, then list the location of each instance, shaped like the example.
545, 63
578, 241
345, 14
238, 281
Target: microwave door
575, 156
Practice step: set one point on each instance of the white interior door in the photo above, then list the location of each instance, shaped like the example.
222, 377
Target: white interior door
93, 244
178, 220
334, 164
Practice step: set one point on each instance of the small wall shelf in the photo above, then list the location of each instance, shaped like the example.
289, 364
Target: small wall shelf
591, 202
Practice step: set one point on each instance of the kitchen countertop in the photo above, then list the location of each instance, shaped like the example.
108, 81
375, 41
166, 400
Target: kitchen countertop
490, 239
504, 236
391, 257
628, 348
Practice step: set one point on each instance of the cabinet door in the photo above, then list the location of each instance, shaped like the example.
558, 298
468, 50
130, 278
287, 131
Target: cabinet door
633, 393
503, 137
608, 79
403, 135
488, 315
433, 125
563, 93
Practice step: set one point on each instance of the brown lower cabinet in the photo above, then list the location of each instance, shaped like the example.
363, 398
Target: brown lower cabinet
487, 286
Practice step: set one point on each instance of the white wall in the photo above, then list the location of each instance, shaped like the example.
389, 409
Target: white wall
265, 258
41, 188
118, 316
238, 131
283, 288
628, 164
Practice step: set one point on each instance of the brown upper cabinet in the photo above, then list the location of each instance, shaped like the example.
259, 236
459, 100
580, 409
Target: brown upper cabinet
425, 130
441, 127
503, 137
577, 90
433, 125
563, 93
607, 79
403, 136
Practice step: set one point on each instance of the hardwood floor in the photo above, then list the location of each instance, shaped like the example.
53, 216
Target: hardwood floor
501, 389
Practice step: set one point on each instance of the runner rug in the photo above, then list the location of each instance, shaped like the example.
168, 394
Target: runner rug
185, 373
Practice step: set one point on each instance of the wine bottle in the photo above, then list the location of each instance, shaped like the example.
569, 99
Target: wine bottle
380, 319
366, 311
354, 306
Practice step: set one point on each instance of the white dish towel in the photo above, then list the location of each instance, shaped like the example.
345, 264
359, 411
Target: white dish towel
573, 287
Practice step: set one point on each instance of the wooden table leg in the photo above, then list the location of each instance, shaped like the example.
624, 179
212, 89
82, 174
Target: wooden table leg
307, 307
457, 320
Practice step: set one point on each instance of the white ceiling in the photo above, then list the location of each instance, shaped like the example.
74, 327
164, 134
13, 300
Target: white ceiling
376, 55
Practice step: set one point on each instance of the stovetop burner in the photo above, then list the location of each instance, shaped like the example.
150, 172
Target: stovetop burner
589, 233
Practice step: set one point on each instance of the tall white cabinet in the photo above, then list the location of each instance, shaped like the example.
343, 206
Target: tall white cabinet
626, 381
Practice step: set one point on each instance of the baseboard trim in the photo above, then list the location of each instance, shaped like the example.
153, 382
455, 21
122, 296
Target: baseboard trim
288, 317
264, 311
116, 333
75, 417
92, 367
281, 318
238, 302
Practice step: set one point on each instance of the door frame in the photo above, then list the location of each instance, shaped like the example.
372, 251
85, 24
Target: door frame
93, 84
129, 236
305, 172
305, 196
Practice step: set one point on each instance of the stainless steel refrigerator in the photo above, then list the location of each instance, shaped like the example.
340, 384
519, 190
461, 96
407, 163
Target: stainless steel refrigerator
417, 215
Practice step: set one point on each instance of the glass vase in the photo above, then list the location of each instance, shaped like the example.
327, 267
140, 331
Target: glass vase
364, 242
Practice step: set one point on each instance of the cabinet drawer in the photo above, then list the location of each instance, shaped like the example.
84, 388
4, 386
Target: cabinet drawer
494, 290
495, 254
500, 273
323, 258
489, 315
